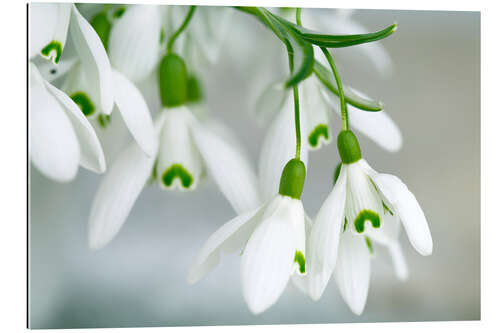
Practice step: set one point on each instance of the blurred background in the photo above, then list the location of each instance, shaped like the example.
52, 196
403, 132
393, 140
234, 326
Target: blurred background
139, 279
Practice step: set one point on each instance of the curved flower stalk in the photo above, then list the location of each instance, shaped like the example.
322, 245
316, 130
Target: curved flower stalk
363, 206
278, 148
61, 138
339, 22
186, 150
273, 241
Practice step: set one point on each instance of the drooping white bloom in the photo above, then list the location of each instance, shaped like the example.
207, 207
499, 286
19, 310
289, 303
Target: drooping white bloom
317, 104
186, 149
273, 237
92, 83
362, 206
61, 138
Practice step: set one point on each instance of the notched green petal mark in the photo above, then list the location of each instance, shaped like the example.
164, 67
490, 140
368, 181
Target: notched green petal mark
177, 171
320, 130
301, 261
366, 215
84, 103
369, 244
53, 51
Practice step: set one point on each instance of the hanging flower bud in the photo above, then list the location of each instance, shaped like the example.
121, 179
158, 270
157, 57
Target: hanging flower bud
292, 179
194, 91
173, 81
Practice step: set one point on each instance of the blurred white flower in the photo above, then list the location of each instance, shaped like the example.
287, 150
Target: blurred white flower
186, 148
340, 237
317, 104
61, 137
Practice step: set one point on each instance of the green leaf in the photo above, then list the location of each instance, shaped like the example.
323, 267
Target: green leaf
298, 48
327, 79
336, 41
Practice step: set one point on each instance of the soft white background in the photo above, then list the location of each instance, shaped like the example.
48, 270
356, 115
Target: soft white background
18, 183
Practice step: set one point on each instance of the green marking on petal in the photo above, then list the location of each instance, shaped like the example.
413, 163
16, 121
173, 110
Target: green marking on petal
369, 244
177, 171
84, 103
345, 224
162, 36
366, 215
119, 12
386, 209
104, 120
53, 51
320, 130
301, 261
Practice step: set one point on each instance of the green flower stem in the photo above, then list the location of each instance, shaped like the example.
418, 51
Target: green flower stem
296, 97
181, 28
343, 108
297, 16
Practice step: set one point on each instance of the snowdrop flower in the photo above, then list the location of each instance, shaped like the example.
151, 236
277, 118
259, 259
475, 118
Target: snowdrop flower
186, 149
273, 241
319, 105
363, 205
126, 96
61, 138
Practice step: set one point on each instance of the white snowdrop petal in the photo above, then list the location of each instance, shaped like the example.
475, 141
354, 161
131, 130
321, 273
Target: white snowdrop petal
268, 259
135, 113
54, 148
398, 260
352, 272
52, 72
230, 236
94, 60
209, 30
324, 238
229, 169
364, 209
134, 41
179, 164
406, 206
91, 153
117, 193
278, 148
49, 28
318, 122
377, 126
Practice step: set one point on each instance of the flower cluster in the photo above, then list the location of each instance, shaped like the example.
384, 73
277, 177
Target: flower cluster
112, 50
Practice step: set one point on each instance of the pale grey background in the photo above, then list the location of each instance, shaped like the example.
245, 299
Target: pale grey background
140, 278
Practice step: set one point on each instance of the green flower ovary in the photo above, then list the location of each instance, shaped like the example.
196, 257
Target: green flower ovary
177, 171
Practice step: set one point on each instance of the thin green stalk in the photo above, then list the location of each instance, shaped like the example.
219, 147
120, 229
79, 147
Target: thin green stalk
343, 108
181, 28
296, 97
298, 12
296, 105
